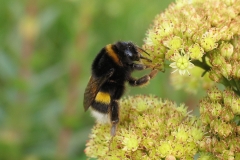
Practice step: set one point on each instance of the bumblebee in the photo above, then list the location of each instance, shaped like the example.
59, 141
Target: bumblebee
111, 68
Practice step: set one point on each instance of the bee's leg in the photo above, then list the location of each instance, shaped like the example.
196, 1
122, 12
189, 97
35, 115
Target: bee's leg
114, 116
110, 72
143, 80
138, 66
153, 73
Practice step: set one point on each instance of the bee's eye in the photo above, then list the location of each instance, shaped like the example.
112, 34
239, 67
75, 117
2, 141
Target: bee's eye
128, 53
130, 47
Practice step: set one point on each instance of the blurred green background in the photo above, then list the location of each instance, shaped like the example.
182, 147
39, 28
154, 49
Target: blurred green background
46, 50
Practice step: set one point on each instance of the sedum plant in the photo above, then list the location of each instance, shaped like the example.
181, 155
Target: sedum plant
220, 115
198, 33
149, 128
200, 41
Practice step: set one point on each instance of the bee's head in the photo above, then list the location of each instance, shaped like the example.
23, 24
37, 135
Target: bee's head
130, 52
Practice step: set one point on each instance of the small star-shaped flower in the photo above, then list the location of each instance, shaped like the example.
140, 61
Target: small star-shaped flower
181, 64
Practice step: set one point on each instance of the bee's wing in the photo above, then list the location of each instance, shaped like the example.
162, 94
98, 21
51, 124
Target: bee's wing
92, 89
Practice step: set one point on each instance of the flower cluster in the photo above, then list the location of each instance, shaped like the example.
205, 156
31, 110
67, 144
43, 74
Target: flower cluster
198, 33
220, 114
149, 128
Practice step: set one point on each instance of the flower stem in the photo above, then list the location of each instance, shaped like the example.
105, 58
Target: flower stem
201, 65
237, 86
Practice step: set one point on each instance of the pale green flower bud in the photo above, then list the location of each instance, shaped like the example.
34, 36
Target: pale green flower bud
206, 119
221, 128
227, 115
166, 28
204, 105
236, 70
236, 106
164, 149
227, 154
195, 51
208, 41
226, 33
224, 130
236, 55
206, 156
215, 94
170, 157
136, 155
202, 145
206, 144
181, 134
216, 109
226, 70
140, 104
215, 75
217, 60
226, 50
196, 133
179, 150
219, 146
230, 100
234, 27
174, 43
142, 122
130, 142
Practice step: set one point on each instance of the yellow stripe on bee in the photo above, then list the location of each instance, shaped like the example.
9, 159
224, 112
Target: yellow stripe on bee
103, 97
112, 54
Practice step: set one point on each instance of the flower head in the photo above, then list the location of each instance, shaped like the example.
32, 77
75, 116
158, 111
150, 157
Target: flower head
159, 131
207, 30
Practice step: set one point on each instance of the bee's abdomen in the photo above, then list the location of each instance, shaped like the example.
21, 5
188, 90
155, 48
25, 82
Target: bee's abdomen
102, 102
103, 97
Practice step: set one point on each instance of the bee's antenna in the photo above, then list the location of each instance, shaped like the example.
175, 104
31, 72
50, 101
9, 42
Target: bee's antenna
143, 50
149, 60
